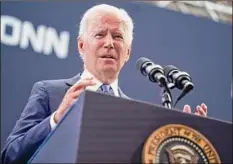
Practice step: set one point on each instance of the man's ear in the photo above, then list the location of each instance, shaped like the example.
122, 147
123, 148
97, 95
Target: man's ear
80, 44
128, 55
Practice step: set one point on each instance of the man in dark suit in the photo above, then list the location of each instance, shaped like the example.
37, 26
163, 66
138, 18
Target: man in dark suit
104, 43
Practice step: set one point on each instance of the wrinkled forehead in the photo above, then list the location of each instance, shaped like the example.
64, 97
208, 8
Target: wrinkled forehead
105, 19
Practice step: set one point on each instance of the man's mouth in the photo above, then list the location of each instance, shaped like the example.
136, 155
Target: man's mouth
108, 57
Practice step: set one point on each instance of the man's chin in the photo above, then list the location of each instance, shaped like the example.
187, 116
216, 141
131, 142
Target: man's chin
109, 69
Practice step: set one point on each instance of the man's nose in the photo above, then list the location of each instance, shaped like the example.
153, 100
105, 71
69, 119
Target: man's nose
109, 42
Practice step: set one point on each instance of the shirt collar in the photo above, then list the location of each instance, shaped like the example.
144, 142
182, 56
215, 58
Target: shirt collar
114, 85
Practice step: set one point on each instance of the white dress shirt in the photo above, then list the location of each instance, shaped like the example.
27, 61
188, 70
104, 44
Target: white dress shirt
86, 74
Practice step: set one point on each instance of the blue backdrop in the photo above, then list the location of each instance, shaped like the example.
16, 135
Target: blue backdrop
199, 46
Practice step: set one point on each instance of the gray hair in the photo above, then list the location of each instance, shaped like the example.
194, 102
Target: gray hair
126, 19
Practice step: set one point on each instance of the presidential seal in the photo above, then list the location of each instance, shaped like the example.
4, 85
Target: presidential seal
175, 143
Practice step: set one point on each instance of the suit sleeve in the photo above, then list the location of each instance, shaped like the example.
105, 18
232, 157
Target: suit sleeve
31, 129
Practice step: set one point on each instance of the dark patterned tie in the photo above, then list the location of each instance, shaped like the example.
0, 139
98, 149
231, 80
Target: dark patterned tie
106, 89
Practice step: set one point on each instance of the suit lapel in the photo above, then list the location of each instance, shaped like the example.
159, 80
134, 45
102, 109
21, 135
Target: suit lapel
73, 80
122, 94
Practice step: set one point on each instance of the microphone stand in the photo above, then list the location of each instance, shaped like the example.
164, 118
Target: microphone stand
166, 96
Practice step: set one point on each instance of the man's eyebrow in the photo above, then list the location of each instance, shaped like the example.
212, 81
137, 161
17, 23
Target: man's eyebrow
98, 29
118, 30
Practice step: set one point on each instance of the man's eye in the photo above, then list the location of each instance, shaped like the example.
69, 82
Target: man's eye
118, 36
99, 35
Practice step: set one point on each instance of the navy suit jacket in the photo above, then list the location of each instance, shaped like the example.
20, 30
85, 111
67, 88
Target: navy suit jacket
33, 125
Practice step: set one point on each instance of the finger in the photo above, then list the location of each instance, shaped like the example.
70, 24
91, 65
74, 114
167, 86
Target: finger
81, 81
85, 79
196, 113
200, 111
77, 93
82, 84
187, 109
81, 88
204, 107
73, 101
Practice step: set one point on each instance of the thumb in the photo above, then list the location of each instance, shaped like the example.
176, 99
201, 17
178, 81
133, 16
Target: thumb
187, 109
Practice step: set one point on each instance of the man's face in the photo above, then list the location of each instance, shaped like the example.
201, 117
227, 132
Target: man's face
104, 48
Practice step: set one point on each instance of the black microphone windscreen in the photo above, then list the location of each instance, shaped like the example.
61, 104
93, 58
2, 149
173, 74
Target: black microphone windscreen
141, 61
167, 69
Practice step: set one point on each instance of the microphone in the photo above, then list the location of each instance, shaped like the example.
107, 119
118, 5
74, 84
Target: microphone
155, 74
153, 71
180, 79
